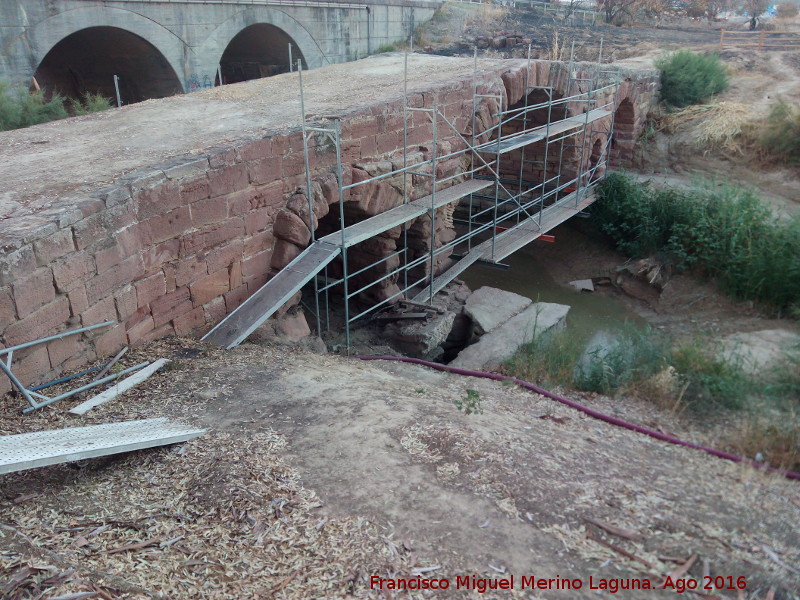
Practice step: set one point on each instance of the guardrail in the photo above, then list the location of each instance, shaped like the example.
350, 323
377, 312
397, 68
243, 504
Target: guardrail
759, 40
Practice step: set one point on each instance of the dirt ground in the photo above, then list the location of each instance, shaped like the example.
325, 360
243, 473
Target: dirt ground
318, 471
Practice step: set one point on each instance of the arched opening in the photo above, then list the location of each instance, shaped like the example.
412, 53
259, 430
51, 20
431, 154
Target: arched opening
623, 137
87, 60
260, 50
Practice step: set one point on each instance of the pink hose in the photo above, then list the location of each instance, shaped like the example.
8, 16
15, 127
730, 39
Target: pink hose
592, 413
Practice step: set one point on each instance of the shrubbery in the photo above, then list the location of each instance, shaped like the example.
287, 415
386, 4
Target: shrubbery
781, 134
725, 232
689, 78
20, 108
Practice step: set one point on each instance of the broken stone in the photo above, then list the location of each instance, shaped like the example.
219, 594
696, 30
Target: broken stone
421, 339
502, 342
489, 307
583, 285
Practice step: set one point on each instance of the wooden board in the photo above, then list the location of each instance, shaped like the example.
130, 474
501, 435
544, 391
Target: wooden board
259, 307
42, 448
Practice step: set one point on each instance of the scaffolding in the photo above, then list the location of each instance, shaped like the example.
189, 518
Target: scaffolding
499, 214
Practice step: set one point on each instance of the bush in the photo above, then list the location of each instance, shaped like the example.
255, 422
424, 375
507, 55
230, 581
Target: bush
19, 108
689, 78
725, 232
780, 138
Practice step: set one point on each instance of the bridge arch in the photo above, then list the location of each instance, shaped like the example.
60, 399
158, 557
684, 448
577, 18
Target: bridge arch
258, 50
114, 29
253, 32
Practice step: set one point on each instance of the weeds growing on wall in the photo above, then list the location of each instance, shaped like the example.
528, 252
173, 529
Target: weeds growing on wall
690, 78
724, 232
20, 108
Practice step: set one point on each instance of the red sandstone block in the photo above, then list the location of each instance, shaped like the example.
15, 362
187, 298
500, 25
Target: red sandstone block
160, 332
211, 235
294, 165
351, 151
32, 365
280, 145
88, 231
77, 361
214, 310
359, 128
194, 189
255, 150
104, 310
61, 350
369, 146
259, 220
170, 225
222, 158
227, 179
170, 305
150, 288
295, 141
125, 299
265, 170
268, 196
137, 332
191, 321
131, 239
8, 312
209, 287
156, 200
258, 243
223, 256
15, 265
236, 297
78, 302
235, 275
293, 184
169, 274
257, 264
53, 246
102, 285
34, 291
119, 217
389, 142
256, 283
154, 257
107, 258
111, 341
40, 323
208, 211
189, 270
240, 202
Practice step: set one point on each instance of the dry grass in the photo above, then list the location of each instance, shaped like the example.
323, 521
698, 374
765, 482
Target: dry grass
777, 443
488, 15
219, 517
723, 125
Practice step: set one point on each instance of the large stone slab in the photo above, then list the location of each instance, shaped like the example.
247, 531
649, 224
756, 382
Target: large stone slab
501, 343
489, 307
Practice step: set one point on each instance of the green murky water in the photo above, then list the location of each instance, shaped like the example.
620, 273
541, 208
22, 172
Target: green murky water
592, 316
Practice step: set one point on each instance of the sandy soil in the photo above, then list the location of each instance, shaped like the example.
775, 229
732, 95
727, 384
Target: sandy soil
41, 163
399, 479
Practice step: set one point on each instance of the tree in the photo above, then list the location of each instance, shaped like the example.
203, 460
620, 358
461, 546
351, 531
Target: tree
755, 8
615, 10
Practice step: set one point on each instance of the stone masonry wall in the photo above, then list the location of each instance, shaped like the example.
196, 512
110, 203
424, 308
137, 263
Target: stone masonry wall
170, 250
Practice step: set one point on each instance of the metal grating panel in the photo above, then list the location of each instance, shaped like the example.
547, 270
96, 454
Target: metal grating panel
42, 448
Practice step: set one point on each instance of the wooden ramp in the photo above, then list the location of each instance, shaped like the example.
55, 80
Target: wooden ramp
42, 448
537, 134
259, 307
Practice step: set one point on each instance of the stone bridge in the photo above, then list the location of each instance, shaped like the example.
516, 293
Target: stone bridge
158, 48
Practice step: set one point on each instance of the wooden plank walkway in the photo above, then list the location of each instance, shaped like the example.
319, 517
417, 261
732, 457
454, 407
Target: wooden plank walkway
42, 448
259, 307
539, 133
363, 230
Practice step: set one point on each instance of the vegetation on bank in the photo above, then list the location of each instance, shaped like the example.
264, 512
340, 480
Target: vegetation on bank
688, 377
21, 108
780, 137
724, 232
691, 78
